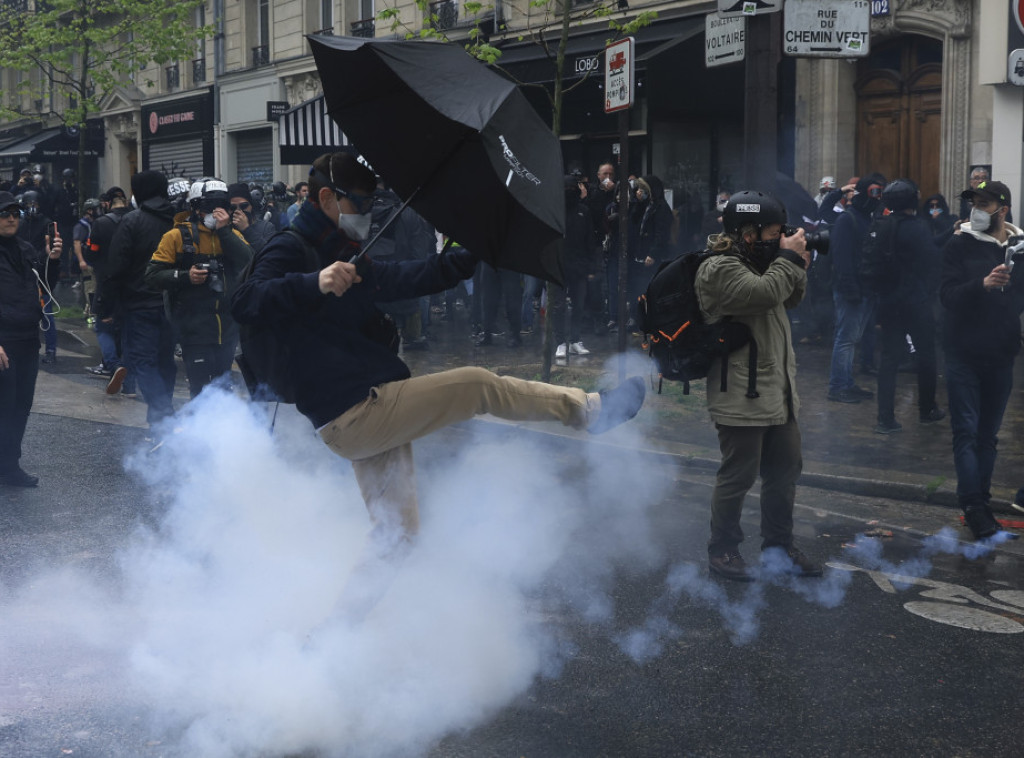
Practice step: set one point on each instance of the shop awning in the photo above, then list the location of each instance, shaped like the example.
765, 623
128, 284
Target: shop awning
49, 145
306, 132
527, 62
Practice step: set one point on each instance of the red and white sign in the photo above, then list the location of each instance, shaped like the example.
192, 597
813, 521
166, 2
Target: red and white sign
619, 79
1017, 9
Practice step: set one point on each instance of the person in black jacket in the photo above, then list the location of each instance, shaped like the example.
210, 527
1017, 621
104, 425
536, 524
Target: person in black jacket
906, 305
21, 269
148, 337
580, 262
982, 303
257, 231
347, 379
650, 235
935, 210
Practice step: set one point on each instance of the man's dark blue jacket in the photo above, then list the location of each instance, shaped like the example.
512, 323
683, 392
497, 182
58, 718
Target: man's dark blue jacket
848, 234
334, 364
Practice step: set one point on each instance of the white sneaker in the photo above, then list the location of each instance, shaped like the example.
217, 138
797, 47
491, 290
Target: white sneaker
576, 348
560, 351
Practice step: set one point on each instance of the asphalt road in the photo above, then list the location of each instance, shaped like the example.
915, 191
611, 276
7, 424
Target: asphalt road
127, 599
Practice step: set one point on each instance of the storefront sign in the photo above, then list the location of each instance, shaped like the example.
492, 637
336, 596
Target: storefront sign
826, 28
178, 118
586, 64
619, 79
738, 8
276, 109
724, 40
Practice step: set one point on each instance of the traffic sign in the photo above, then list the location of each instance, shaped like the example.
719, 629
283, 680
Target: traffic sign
1017, 10
826, 28
735, 8
724, 40
618, 75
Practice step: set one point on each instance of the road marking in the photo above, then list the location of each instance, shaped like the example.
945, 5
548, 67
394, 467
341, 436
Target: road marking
974, 619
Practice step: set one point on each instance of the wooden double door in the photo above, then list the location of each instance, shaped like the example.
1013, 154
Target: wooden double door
899, 111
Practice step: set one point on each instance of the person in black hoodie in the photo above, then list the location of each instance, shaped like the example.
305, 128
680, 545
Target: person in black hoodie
348, 380
21, 268
906, 290
650, 235
580, 262
148, 337
935, 210
982, 298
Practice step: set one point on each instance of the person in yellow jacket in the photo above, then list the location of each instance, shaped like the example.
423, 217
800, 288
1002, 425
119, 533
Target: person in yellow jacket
198, 265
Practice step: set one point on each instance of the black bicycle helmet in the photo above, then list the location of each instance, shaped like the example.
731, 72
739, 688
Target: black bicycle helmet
751, 208
901, 194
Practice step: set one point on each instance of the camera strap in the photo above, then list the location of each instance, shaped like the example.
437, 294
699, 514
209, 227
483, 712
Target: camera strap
189, 232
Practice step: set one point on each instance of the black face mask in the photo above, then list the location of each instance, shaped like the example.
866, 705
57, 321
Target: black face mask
765, 250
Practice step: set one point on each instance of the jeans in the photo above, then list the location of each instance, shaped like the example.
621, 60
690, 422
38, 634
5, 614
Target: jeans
531, 289
497, 286
919, 323
977, 399
851, 320
149, 353
50, 333
106, 336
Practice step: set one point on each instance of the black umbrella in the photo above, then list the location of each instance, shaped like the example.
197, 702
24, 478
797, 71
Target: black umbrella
459, 142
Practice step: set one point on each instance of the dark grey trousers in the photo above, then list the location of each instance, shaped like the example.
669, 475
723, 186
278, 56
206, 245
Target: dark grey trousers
773, 452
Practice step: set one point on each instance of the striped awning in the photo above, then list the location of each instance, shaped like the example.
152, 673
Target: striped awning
306, 132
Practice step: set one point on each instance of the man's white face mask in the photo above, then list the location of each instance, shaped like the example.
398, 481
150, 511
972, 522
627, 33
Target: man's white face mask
355, 225
981, 221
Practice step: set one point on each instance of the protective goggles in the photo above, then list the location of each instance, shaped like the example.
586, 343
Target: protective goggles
363, 203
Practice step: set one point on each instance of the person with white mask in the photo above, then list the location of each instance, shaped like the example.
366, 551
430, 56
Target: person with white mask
199, 263
982, 295
343, 366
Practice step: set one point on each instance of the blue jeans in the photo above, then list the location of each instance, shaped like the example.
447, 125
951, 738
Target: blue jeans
531, 288
50, 334
149, 354
977, 400
851, 320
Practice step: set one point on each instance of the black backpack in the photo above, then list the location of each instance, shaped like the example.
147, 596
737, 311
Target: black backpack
879, 270
680, 341
265, 356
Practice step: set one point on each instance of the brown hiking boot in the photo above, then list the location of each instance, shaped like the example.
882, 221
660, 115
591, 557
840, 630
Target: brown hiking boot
731, 565
802, 565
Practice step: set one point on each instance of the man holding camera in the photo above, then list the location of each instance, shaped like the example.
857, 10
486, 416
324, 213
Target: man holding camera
199, 263
754, 276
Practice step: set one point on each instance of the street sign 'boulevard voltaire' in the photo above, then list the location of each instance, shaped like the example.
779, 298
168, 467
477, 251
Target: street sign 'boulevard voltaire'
826, 28
724, 40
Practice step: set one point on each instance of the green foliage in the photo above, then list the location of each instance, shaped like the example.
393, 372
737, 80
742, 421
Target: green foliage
83, 49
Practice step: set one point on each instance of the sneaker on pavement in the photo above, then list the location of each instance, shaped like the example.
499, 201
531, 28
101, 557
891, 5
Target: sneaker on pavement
844, 396
116, 380
560, 351
100, 370
576, 348
980, 521
890, 426
731, 565
18, 478
619, 405
935, 414
50, 357
1018, 500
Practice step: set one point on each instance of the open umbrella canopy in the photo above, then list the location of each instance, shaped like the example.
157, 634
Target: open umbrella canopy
462, 141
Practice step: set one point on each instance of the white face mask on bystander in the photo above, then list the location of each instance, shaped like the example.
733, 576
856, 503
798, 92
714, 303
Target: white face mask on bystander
355, 225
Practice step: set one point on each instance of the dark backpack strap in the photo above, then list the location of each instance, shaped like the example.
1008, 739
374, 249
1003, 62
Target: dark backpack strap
188, 245
752, 371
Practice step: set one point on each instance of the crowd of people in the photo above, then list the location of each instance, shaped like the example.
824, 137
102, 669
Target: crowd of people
162, 269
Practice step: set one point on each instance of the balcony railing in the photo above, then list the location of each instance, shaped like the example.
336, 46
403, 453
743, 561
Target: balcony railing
260, 56
173, 76
199, 70
364, 28
327, 30
445, 13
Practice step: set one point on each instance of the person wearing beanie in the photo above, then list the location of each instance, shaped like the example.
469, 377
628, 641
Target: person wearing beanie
321, 301
257, 231
148, 337
19, 334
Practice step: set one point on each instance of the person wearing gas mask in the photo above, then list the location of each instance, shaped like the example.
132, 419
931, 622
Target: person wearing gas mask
347, 378
753, 276
80, 237
38, 231
855, 308
256, 230
982, 296
198, 264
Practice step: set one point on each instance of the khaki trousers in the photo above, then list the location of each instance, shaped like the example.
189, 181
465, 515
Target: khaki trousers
376, 434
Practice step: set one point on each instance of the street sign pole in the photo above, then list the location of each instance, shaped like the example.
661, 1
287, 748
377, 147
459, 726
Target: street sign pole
619, 88
761, 105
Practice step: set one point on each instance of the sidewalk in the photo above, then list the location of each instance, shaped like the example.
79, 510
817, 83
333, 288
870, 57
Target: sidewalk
841, 452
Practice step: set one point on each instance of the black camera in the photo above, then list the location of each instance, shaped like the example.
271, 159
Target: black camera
215, 274
816, 240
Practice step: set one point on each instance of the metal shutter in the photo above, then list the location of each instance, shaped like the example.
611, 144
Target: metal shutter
177, 158
254, 153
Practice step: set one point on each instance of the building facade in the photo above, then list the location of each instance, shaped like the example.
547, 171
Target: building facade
929, 101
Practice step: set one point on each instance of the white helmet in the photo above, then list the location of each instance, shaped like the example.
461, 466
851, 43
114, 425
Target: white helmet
827, 183
205, 187
177, 187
